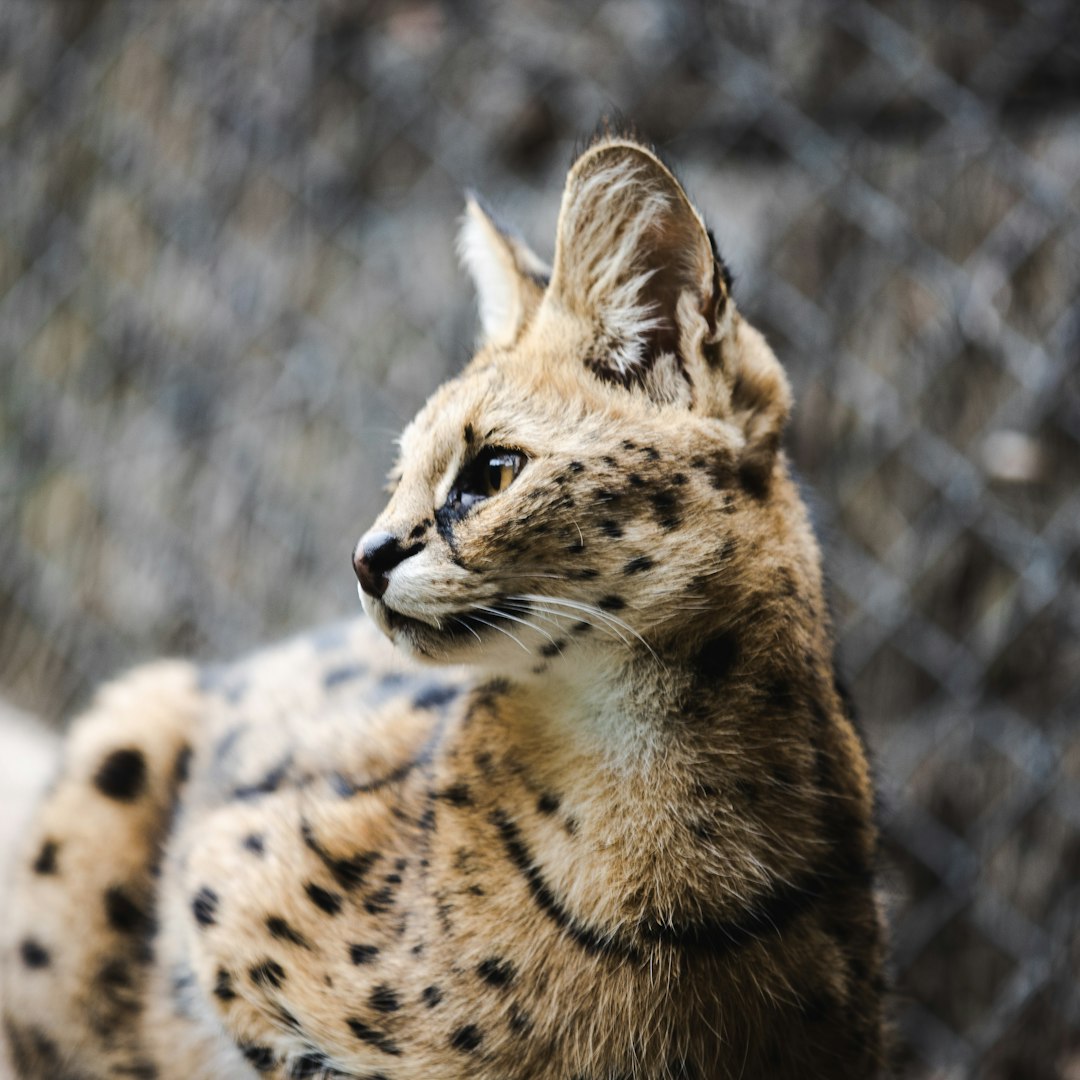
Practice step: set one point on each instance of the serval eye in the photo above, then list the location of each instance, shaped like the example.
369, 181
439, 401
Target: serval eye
491, 472
500, 471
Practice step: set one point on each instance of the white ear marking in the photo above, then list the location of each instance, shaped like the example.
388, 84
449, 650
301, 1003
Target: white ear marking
630, 245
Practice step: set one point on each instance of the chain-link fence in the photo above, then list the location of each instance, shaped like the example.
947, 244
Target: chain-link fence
227, 278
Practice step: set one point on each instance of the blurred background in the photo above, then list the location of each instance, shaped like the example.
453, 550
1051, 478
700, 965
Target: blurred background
227, 278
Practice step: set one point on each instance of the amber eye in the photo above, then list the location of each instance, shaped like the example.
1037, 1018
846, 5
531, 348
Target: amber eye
491, 472
499, 472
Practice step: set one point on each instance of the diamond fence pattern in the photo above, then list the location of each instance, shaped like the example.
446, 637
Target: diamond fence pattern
227, 278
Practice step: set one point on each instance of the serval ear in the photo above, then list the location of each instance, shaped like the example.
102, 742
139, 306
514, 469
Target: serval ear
634, 258
509, 278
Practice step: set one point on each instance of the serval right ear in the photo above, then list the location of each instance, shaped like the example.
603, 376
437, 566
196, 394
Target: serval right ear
633, 258
635, 263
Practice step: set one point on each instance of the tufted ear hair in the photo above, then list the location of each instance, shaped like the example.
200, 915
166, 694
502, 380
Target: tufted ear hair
509, 278
634, 258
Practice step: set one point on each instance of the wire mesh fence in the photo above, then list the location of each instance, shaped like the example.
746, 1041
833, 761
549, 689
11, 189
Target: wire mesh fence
227, 278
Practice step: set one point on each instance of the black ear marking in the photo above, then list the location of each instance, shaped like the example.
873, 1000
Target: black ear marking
721, 291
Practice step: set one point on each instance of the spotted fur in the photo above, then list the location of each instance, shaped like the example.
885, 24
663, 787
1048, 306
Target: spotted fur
601, 814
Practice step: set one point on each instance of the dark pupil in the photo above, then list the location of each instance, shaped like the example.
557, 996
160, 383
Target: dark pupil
495, 472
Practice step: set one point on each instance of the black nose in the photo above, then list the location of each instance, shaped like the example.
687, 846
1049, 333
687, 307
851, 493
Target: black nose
375, 556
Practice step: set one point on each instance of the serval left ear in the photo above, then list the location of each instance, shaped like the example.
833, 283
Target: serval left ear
509, 277
634, 258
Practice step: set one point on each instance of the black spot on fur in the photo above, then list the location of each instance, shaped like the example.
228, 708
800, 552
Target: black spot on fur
651, 453
379, 902
612, 603
223, 988
553, 648
467, 1038
343, 674
260, 1057
665, 507
322, 898
45, 863
379, 1039
125, 916
577, 547
431, 996
122, 775
270, 782
548, 803
611, 528
384, 999
520, 1021
435, 696
456, 795
33, 955
576, 467
496, 971
253, 842
363, 954
638, 565
268, 973
312, 1064
317, 1064
349, 872
282, 931
754, 480
204, 906
716, 659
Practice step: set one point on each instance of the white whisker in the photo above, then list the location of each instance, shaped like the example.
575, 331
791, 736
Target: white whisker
503, 630
461, 622
598, 612
559, 617
506, 615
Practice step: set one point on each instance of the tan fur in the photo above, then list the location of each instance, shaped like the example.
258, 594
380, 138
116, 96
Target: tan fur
628, 834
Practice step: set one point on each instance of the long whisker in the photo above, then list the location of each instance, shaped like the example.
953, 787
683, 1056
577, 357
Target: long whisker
606, 615
559, 618
461, 622
503, 630
581, 611
506, 615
